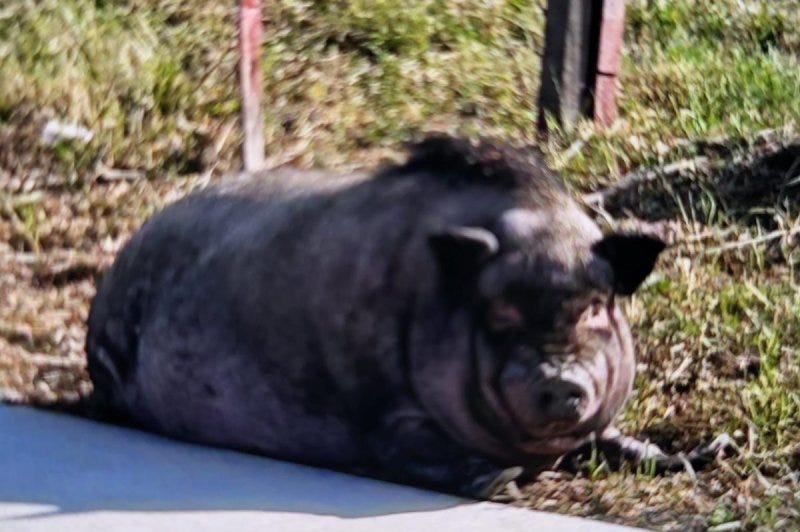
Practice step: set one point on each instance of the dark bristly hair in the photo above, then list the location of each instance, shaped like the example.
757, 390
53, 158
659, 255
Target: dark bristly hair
459, 160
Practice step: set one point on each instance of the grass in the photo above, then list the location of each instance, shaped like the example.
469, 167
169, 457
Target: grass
346, 82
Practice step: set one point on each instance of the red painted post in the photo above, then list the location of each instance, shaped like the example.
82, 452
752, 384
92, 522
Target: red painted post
250, 82
612, 28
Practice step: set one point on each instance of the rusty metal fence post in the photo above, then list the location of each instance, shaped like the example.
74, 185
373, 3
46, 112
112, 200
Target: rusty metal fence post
612, 29
250, 83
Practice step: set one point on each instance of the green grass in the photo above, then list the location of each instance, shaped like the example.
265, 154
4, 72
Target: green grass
156, 79
346, 82
695, 70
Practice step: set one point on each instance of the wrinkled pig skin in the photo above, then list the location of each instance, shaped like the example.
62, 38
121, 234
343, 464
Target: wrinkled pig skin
447, 322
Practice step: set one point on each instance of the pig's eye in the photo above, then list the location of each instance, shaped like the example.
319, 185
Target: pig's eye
502, 316
596, 314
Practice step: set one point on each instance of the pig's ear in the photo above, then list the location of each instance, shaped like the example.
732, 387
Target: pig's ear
460, 253
631, 256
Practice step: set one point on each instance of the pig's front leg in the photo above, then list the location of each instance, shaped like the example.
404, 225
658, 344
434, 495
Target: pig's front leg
618, 448
410, 448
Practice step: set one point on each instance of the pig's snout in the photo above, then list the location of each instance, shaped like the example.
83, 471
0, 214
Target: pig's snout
550, 400
560, 400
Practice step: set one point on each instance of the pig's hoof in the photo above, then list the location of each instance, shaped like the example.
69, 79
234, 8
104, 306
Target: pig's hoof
490, 484
699, 458
702, 455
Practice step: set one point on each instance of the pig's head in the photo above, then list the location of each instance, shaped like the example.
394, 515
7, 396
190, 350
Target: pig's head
551, 356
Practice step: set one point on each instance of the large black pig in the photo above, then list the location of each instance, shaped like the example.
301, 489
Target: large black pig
446, 322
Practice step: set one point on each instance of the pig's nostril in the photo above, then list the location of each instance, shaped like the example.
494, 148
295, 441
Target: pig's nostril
561, 401
545, 400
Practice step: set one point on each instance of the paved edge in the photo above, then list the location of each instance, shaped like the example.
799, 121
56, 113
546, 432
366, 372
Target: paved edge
60, 473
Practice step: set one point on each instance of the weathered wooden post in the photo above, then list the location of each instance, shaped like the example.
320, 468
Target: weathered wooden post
583, 42
250, 83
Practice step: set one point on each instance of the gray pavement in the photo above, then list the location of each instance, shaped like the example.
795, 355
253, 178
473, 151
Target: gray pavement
64, 473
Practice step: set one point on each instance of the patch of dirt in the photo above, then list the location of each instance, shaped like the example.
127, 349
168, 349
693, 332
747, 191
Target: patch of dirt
54, 243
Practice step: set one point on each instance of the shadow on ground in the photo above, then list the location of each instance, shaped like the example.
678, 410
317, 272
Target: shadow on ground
747, 188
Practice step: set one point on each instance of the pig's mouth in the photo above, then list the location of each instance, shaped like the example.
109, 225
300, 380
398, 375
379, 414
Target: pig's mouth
555, 445
506, 412
558, 438
504, 423
541, 429
507, 398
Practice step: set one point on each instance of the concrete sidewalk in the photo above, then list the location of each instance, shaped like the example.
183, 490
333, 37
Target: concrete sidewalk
63, 473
